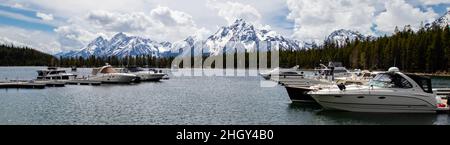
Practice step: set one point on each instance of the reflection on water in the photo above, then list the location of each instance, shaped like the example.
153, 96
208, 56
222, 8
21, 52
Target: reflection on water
380, 118
356, 118
440, 82
180, 100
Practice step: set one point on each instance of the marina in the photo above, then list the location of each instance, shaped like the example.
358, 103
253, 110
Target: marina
181, 100
55, 77
364, 91
225, 71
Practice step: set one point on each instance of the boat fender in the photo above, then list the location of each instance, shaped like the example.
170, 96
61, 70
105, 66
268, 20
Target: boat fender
341, 86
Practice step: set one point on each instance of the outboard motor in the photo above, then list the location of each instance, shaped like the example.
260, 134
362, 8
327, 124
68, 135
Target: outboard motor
341, 87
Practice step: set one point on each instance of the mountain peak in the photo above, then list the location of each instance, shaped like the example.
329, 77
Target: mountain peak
442, 22
120, 34
239, 21
121, 45
99, 38
344, 31
340, 37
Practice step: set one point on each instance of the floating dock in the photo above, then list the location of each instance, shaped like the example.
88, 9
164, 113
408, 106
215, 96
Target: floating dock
83, 82
51, 83
21, 85
62, 83
41, 84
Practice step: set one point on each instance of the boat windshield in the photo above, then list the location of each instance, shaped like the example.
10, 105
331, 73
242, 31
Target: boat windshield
108, 70
57, 72
387, 80
135, 69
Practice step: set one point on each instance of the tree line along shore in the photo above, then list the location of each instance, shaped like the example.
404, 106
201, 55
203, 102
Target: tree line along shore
426, 52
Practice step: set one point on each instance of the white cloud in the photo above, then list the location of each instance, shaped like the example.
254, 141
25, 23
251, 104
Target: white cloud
169, 17
7, 41
39, 40
79, 7
120, 22
21, 17
434, 2
73, 36
231, 11
160, 24
45, 17
315, 19
399, 13
17, 5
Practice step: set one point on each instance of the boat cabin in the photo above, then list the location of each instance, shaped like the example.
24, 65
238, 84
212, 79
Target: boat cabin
104, 70
423, 82
54, 74
135, 69
402, 81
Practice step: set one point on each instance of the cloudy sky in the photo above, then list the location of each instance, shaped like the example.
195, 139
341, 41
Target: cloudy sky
59, 25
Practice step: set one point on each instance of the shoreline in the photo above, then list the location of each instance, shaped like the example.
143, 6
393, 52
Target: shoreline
433, 74
416, 73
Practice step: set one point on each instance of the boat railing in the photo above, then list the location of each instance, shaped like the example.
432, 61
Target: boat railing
442, 92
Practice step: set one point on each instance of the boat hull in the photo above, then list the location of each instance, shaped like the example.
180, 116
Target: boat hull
381, 103
300, 95
265, 76
114, 78
150, 76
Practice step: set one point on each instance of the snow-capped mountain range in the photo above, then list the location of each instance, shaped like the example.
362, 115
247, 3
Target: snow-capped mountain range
251, 39
119, 45
240, 36
229, 37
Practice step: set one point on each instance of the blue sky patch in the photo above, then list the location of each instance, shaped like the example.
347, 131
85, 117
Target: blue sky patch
8, 20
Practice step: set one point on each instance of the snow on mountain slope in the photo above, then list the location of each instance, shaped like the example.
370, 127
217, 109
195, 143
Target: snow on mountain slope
239, 36
340, 37
120, 45
6, 41
231, 37
443, 21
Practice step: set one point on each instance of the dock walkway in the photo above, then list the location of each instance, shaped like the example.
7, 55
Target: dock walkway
21, 85
40, 84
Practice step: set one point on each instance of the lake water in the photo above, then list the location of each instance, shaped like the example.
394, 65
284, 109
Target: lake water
180, 100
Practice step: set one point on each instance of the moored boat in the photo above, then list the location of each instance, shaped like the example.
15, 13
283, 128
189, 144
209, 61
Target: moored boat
107, 74
281, 73
145, 75
389, 92
53, 73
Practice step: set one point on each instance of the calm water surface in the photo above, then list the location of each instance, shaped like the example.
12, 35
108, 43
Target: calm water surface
180, 100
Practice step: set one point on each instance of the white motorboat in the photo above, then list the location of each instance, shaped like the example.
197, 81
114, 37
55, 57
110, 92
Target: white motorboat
388, 92
300, 93
53, 73
278, 72
146, 75
334, 70
299, 88
107, 74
